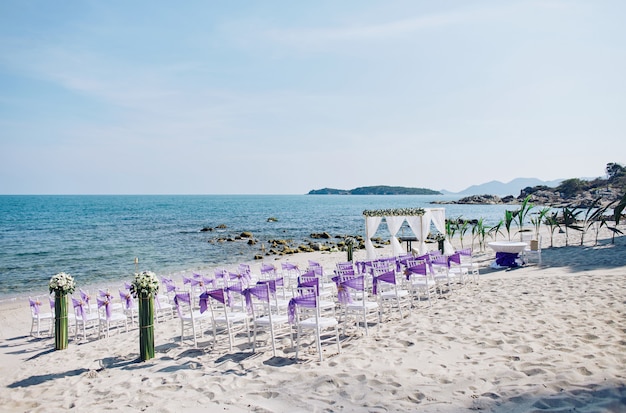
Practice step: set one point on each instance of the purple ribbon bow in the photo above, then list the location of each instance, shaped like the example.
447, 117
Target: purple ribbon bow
221, 295
34, 305
343, 288
106, 304
260, 291
127, 298
78, 307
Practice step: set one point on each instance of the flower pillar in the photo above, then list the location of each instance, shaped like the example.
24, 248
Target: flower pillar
146, 326
61, 285
145, 287
60, 321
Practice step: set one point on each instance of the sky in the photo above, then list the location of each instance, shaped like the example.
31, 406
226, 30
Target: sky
282, 97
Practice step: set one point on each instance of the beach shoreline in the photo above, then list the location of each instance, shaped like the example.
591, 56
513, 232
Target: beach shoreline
548, 338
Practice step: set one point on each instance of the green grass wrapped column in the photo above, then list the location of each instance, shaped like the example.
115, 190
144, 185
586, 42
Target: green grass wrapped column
60, 321
146, 326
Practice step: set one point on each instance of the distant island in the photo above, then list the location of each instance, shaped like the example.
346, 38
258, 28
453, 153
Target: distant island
375, 190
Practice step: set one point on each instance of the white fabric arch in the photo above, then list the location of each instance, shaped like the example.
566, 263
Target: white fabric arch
439, 219
393, 224
419, 224
371, 226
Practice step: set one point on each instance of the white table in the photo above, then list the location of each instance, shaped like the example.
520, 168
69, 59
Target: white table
507, 253
512, 247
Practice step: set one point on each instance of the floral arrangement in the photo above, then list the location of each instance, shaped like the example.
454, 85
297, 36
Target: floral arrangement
62, 283
393, 212
351, 242
145, 283
439, 237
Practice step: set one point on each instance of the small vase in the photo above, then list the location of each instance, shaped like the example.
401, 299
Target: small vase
440, 245
60, 321
146, 327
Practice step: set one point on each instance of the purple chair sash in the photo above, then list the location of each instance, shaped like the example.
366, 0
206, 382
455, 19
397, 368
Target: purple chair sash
455, 258
35, 304
343, 287
184, 298
271, 283
78, 307
240, 276
416, 269
306, 301
107, 307
466, 252
221, 295
288, 266
260, 291
127, 298
388, 277
85, 296
169, 287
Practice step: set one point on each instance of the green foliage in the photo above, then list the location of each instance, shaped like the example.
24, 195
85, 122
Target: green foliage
508, 221
537, 219
520, 214
463, 226
570, 187
552, 222
495, 230
479, 230
451, 227
570, 220
617, 211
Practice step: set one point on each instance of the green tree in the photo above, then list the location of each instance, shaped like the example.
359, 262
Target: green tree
570, 187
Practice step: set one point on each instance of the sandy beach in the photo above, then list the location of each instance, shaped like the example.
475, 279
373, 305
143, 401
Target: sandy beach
543, 338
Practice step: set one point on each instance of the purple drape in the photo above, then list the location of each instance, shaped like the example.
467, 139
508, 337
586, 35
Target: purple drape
107, 307
388, 277
506, 259
306, 301
127, 298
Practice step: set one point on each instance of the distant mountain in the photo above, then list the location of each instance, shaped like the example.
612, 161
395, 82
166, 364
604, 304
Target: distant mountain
502, 189
375, 190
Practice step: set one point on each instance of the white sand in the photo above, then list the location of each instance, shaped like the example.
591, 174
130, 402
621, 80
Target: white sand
548, 338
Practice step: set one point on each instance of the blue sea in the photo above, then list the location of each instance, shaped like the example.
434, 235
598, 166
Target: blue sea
96, 238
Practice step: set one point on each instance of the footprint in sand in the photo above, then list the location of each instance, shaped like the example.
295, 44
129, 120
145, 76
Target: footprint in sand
524, 349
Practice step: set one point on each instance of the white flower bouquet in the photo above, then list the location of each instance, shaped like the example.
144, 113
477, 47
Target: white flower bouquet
62, 283
144, 284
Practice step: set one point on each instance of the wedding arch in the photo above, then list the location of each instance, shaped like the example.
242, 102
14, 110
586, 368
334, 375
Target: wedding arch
418, 219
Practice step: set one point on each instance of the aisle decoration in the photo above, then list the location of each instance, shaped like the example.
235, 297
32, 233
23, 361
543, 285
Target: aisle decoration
61, 285
145, 287
350, 243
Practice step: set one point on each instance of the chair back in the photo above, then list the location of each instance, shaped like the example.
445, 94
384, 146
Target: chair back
387, 277
34, 306
418, 267
307, 299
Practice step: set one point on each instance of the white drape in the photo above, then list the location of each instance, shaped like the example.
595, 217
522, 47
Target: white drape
393, 224
420, 224
371, 225
439, 219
